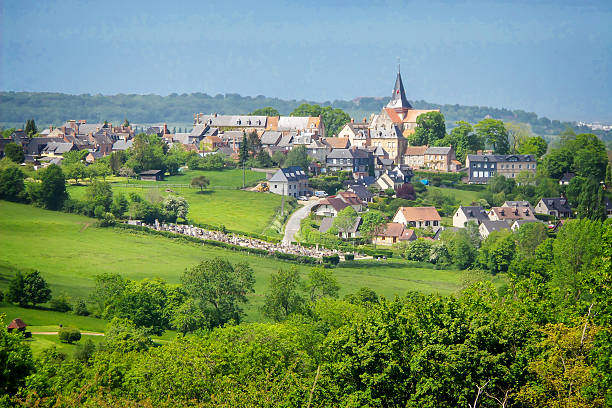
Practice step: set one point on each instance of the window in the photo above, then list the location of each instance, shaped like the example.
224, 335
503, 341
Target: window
276, 186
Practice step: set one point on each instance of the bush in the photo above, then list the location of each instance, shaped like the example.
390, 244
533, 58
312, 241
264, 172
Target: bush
349, 257
85, 351
331, 259
69, 335
80, 308
61, 303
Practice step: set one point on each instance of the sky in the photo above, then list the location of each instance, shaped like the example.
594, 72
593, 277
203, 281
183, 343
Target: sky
549, 57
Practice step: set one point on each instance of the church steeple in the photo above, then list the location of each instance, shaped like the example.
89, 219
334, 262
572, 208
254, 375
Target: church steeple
398, 101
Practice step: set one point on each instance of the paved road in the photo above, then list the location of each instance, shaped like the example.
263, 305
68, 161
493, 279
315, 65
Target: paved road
293, 224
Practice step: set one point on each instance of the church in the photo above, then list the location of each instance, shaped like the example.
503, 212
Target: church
395, 122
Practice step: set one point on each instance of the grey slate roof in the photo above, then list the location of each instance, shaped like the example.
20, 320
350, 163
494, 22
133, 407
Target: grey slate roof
285, 141
326, 224
557, 203
501, 157
270, 137
122, 144
475, 211
198, 131
292, 173
495, 225
58, 148
362, 192
234, 121
438, 150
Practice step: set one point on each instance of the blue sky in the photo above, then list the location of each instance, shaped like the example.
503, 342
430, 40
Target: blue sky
550, 57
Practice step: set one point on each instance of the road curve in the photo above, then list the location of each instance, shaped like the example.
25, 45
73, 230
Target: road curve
293, 223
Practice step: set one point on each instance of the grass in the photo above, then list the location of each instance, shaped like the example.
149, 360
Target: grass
464, 197
69, 251
240, 210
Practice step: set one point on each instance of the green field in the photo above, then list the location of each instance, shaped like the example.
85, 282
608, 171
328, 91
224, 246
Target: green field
69, 251
236, 209
464, 197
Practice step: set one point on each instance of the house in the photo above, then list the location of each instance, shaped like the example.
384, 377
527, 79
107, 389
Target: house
558, 206
241, 123
318, 150
414, 156
58, 149
393, 179
270, 138
152, 175
122, 145
17, 325
390, 139
358, 133
362, 193
93, 156
487, 227
211, 142
439, 158
354, 160
463, 215
510, 214
352, 232
518, 223
483, 167
566, 178
329, 207
419, 217
393, 233
382, 165
337, 142
291, 181
351, 199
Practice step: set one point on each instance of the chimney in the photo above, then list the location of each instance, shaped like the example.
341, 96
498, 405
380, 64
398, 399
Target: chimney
352, 120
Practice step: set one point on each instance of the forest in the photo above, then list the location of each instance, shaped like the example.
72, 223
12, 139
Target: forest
55, 108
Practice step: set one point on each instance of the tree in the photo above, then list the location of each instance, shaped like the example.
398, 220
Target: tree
284, 297
14, 152
333, 119
528, 237
75, 171
430, 128
119, 206
176, 207
364, 296
263, 159
200, 181
51, 192
100, 168
254, 144
243, 151
147, 153
107, 290
30, 128
590, 160
74, 156
518, 134
116, 161
298, 157
535, 145
267, 111
322, 283
69, 335
125, 123
16, 362
220, 289
558, 162
12, 187
406, 191
418, 250
497, 251
99, 193
188, 317
591, 201
35, 288
494, 132
16, 290
345, 220
373, 223
460, 247
123, 336
464, 140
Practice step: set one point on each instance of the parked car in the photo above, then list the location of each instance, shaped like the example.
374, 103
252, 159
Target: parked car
303, 198
320, 194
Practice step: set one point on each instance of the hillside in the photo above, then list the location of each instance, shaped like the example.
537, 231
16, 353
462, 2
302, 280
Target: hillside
54, 108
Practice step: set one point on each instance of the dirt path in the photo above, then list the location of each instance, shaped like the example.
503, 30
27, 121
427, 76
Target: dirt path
83, 333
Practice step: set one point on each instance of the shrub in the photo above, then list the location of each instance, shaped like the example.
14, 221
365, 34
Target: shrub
84, 351
61, 303
349, 257
331, 259
69, 335
80, 308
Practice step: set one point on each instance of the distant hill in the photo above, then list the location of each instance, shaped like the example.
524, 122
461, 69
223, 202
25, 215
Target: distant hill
54, 108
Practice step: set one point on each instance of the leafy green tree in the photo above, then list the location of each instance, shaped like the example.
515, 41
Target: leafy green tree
591, 201
100, 168
430, 128
364, 296
418, 250
116, 161
61, 303
119, 206
518, 133
200, 181
535, 145
51, 192
74, 156
333, 119
99, 193
558, 162
147, 153
80, 308
591, 159
75, 171
298, 157
121, 335
321, 283
16, 362
35, 288
254, 144
263, 159
528, 237
494, 132
278, 158
460, 247
220, 288
267, 111
176, 207
107, 290
497, 251
14, 152
373, 222
16, 290
285, 294
345, 220
189, 317
12, 187
463, 139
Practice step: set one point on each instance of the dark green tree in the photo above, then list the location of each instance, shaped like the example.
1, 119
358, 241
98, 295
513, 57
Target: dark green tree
16, 290
254, 144
535, 145
298, 157
430, 128
14, 152
200, 181
267, 111
495, 134
321, 283
35, 287
12, 187
99, 193
16, 362
285, 294
243, 151
30, 128
52, 191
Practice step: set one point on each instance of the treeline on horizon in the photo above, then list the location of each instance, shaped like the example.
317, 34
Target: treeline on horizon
55, 108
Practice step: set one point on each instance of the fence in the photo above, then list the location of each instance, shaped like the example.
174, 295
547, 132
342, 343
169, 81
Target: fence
163, 185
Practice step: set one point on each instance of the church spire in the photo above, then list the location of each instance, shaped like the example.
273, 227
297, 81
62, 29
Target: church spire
398, 99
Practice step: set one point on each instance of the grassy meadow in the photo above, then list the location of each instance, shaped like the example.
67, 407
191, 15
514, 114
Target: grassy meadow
236, 209
465, 197
69, 251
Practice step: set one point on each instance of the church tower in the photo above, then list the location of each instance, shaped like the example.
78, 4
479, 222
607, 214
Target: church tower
398, 101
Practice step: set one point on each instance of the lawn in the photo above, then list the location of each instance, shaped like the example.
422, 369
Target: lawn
464, 197
236, 209
69, 251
